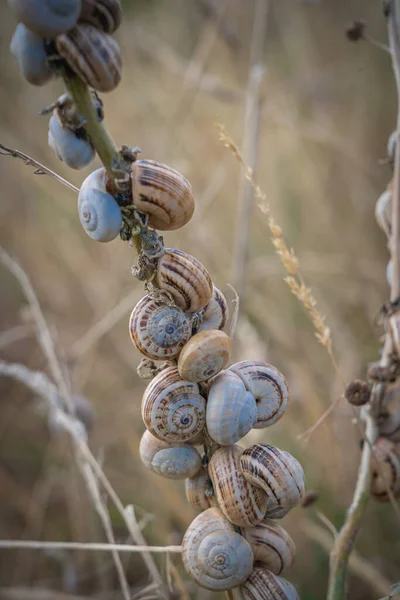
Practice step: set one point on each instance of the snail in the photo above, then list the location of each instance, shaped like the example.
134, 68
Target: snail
76, 152
242, 504
394, 329
265, 585
389, 420
231, 409
47, 18
173, 462
99, 214
383, 212
204, 355
103, 14
272, 546
185, 278
173, 409
276, 512
30, 54
269, 388
213, 554
93, 55
215, 315
159, 331
276, 472
163, 193
196, 489
385, 469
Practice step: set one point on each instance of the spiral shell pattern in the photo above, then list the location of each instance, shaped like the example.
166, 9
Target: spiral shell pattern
265, 585
173, 462
216, 312
196, 490
103, 14
205, 354
99, 214
385, 469
272, 546
47, 18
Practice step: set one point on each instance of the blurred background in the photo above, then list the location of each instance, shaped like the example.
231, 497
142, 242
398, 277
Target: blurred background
322, 113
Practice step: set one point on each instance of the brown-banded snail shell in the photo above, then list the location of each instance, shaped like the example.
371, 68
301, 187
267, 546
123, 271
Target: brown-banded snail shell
159, 331
185, 278
242, 504
265, 585
272, 546
268, 387
102, 14
213, 554
204, 355
47, 18
231, 409
385, 469
196, 488
93, 55
276, 472
276, 512
173, 409
383, 212
163, 193
216, 312
173, 462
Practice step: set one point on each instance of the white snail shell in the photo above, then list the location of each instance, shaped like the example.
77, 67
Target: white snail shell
231, 409
99, 214
103, 14
93, 55
276, 472
173, 462
213, 554
385, 469
173, 409
268, 387
389, 272
383, 212
185, 278
216, 312
265, 585
272, 546
47, 18
196, 488
30, 54
204, 355
159, 331
76, 152
242, 504
163, 193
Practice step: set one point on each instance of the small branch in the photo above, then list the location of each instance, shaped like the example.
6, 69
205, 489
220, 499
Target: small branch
85, 546
394, 43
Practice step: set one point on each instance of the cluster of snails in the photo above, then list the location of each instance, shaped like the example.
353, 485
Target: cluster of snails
54, 35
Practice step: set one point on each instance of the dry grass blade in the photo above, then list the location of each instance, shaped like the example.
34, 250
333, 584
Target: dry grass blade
85, 546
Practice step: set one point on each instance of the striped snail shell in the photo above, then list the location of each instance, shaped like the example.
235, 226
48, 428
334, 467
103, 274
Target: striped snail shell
93, 55
242, 504
173, 409
30, 54
213, 554
99, 214
173, 462
383, 212
76, 152
216, 312
163, 193
204, 355
231, 409
265, 585
196, 488
276, 472
276, 512
103, 14
385, 469
185, 278
272, 546
47, 18
268, 387
159, 331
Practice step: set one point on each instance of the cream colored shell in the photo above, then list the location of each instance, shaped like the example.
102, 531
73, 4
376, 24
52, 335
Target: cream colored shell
216, 312
196, 490
204, 355
272, 546
264, 585
173, 462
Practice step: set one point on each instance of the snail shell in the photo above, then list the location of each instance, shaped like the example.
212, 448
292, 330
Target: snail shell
242, 504
272, 546
173, 462
93, 55
103, 14
268, 387
173, 409
216, 312
276, 512
76, 152
276, 472
213, 554
47, 18
231, 409
196, 488
383, 212
265, 585
163, 193
30, 54
385, 469
99, 214
394, 328
205, 354
185, 278
158, 331
389, 425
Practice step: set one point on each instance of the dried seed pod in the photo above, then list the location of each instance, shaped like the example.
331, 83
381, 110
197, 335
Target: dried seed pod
264, 585
76, 152
357, 392
47, 18
216, 312
213, 554
99, 214
93, 55
173, 462
185, 278
383, 212
204, 355
385, 469
163, 193
30, 54
173, 409
242, 504
394, 329
159, 331
269, 388
276, 472
231, 409
272, 546
102, 14
196, 490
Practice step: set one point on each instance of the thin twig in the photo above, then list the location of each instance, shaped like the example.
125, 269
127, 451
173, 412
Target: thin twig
90, 546
394, 42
